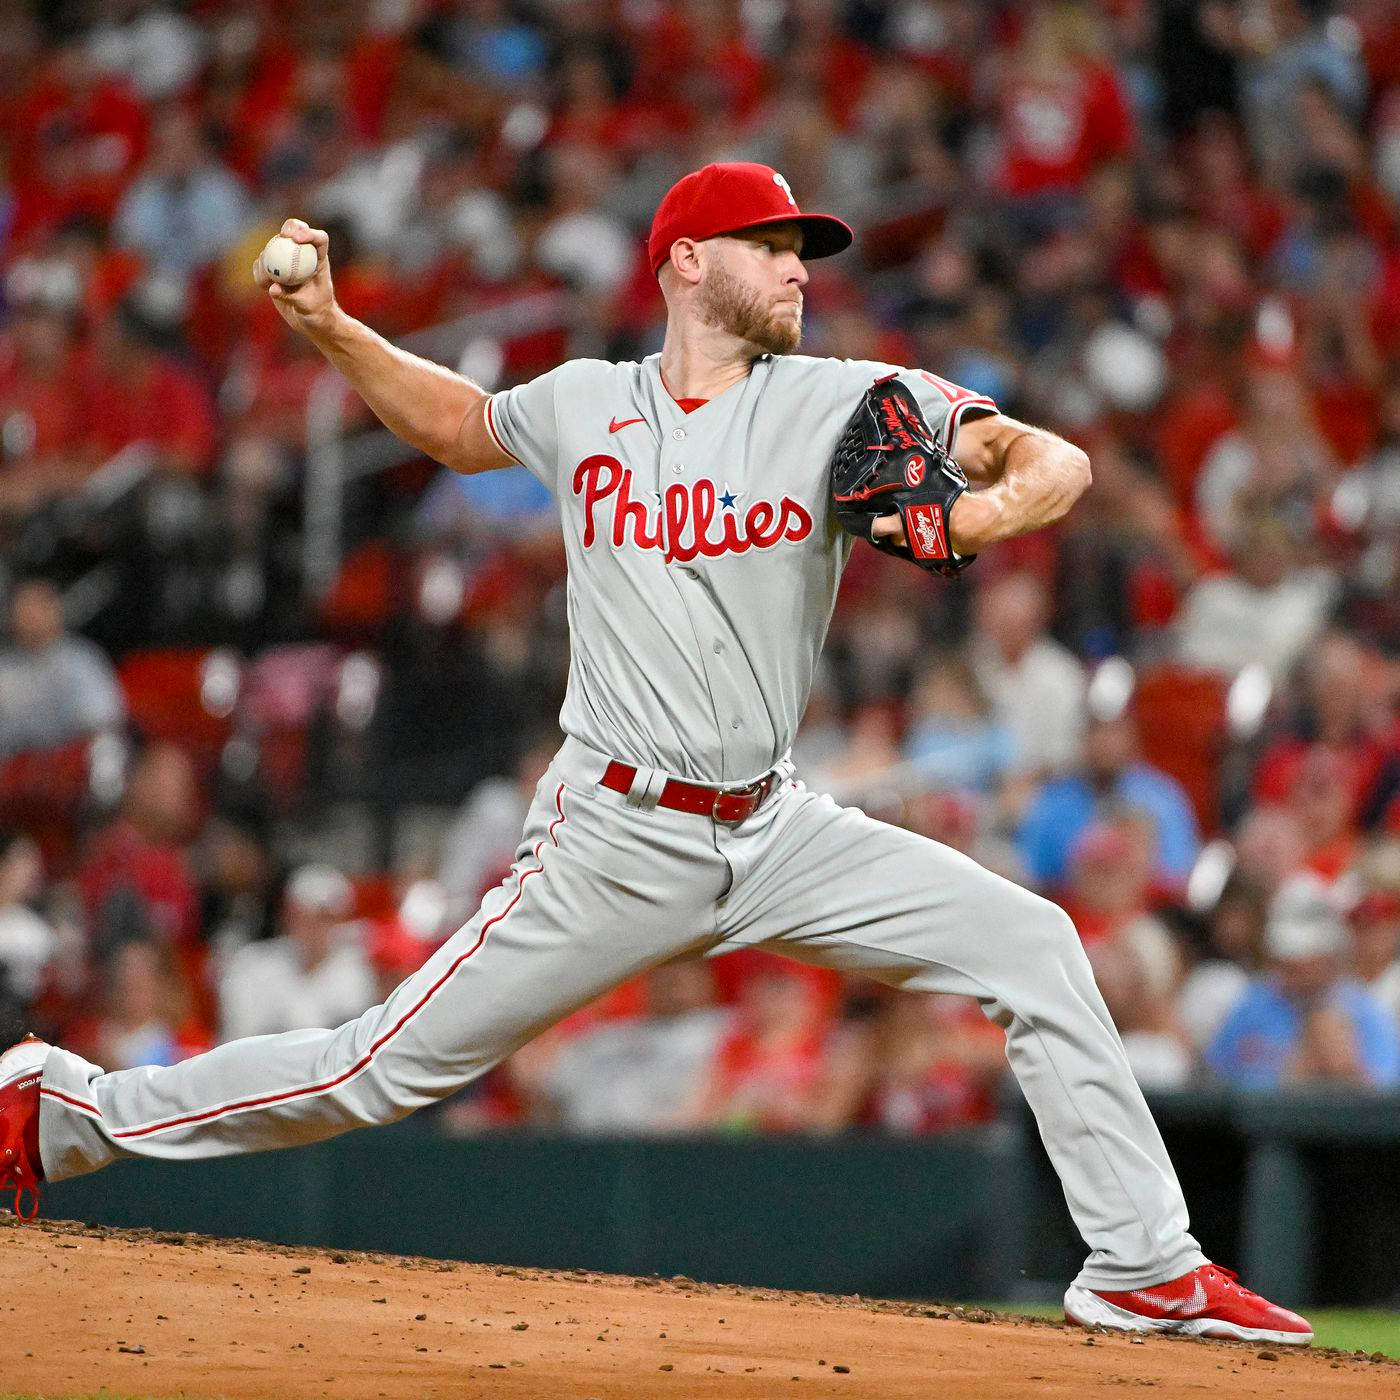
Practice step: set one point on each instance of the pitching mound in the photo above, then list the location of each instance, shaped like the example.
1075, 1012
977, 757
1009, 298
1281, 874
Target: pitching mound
139, 1314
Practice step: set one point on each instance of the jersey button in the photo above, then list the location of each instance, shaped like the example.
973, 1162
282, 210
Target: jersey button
719, 647
678, 468
735, 723
677, 434
690, 573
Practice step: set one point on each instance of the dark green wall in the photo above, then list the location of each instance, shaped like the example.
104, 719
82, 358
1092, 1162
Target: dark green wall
1301, 1194
864, 1215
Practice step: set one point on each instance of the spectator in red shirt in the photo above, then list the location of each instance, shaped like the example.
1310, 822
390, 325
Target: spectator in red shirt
934, 1064
818, 57
136, 881
1269, 846
1062, 111
767, 1071
1110, 895
1343, 712
587, 109
721, 69
42, 413
138, 394
1224, 190
105, 274
86, 134
1322, 803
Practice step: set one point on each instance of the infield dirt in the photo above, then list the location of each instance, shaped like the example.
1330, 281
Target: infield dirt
138, 1314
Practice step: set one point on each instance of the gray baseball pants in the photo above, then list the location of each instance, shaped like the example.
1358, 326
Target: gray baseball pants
604, 887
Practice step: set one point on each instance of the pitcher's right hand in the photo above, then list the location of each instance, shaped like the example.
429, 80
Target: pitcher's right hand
305, 306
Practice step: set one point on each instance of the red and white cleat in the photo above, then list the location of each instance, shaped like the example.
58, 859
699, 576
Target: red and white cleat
1207, 1302
21, 1068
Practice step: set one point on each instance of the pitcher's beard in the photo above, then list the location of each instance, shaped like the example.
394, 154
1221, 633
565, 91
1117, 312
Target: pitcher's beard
727, 305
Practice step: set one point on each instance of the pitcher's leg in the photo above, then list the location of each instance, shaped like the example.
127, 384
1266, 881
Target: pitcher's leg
913, 913
298, 1087
565, 925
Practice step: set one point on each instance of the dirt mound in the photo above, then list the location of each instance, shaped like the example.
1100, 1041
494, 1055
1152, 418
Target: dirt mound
137, 1313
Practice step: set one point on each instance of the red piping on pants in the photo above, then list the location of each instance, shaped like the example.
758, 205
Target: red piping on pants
366, 1059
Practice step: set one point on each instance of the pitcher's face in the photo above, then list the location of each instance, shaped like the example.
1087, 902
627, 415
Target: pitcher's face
752, 285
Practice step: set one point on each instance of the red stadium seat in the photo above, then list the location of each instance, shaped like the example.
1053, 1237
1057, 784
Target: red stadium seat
42, 792
375, 896
1181, 717
361, 599
184, 696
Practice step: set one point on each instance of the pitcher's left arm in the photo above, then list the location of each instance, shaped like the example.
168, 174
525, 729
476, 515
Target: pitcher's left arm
1022, 478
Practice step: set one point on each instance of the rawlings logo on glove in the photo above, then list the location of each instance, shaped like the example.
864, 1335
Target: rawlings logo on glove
888, 460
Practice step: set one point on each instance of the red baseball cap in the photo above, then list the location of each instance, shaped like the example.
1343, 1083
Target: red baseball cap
732, 195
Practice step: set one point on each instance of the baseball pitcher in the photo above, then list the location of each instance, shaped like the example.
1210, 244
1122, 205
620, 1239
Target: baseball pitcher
709, 498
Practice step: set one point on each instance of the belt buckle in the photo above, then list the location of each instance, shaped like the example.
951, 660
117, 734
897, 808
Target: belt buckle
752, 790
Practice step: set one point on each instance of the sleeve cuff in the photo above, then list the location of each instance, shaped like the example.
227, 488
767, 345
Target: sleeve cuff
495, 434
978, 403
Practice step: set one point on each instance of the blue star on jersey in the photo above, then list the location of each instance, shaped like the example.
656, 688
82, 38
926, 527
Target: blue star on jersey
729, 497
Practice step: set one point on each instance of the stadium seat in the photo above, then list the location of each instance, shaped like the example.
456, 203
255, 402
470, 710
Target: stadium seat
361, 599
1182, 720
375, 896
42, 792
185, 696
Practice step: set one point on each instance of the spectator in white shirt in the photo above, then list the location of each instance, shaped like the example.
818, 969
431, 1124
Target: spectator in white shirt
314, 974
479, 846
1267, 611
1036, 687
632, 1076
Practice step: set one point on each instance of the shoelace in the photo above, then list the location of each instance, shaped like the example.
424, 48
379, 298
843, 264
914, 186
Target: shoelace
10, 1180
1232, 1280
21, 1193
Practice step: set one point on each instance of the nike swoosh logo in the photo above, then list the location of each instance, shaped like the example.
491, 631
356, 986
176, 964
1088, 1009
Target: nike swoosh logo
1186, 1306
614, 426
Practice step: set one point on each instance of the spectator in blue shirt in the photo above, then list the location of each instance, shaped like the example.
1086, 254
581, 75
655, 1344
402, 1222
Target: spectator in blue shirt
1303, 1021
955, 741
187, 209
494, 506
1110, 779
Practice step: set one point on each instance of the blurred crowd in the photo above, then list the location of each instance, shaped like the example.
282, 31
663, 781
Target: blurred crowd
244, 790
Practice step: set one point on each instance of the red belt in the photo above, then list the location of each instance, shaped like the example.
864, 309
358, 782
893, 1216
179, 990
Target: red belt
728, 806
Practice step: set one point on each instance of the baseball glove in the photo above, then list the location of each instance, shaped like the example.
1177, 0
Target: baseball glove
888, 459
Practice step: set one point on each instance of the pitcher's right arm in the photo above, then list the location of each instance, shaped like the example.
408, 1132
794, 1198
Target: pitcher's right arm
441, 413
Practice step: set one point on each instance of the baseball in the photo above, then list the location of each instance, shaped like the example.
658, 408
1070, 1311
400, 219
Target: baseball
287, 261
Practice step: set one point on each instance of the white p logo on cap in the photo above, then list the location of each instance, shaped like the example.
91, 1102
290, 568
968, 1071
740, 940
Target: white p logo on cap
785, 187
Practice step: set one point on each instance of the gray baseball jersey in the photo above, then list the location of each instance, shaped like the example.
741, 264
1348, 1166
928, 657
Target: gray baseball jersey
703, 568
703, 559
